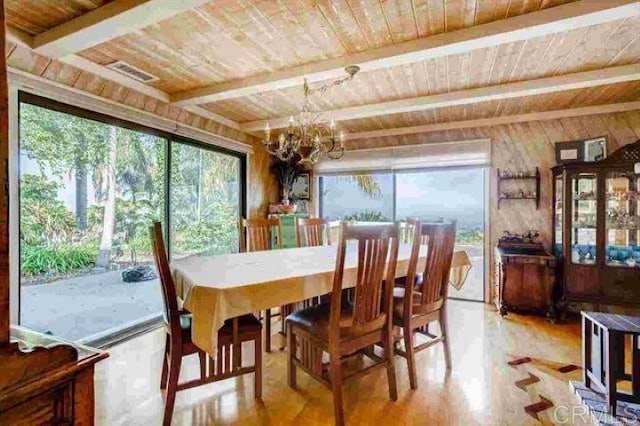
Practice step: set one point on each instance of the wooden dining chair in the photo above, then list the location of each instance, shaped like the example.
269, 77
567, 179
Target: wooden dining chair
343, 329
258, 235
312, 232
228, 360
414, 308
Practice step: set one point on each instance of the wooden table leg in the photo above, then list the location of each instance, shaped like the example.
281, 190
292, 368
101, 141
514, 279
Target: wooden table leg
587, 330
610, 370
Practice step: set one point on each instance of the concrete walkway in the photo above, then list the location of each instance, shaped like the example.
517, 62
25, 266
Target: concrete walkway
84, 308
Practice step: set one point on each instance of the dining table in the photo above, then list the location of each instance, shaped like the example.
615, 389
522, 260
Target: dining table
217, 288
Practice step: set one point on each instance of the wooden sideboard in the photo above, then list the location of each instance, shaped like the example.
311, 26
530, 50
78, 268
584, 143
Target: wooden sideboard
46, 380
525, 279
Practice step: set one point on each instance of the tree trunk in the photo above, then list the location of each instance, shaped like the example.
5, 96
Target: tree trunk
81, 195
104, 257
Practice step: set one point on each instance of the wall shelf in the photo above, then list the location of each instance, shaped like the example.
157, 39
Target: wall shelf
525, 178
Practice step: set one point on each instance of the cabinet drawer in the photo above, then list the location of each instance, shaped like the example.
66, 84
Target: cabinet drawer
49, 408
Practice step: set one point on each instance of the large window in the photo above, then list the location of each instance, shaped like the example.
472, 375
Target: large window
441, 194
89, 188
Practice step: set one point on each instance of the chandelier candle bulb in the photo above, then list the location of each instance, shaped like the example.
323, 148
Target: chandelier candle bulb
267, 131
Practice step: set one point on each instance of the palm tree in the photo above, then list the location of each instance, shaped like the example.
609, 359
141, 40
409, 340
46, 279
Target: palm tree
367, 184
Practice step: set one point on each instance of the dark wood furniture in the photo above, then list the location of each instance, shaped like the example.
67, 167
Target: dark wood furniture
603, 355
228, 360
522, 192
343, 329
257, 235
312, 232
46, 380
525, 278
596, 222
415, 308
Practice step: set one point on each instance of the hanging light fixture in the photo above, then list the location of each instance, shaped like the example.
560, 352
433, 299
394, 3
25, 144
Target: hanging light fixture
308, 136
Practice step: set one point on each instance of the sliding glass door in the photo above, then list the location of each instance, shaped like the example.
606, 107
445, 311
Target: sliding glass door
448, 194
89, 188
429, 195
205, 201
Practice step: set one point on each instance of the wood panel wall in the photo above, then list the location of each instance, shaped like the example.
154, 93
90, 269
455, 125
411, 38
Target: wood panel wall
523, 146
262, 186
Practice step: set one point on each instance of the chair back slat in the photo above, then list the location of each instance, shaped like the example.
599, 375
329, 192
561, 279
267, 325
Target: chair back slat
169, 296
440, 240
256, 234
375, 245
312, 232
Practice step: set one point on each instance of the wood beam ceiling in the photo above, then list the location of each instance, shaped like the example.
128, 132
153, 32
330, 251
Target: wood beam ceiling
524, 27
25, 40
495, 121
106, 23
541, 86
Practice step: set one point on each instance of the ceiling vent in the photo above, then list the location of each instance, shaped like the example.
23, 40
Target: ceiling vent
133, 72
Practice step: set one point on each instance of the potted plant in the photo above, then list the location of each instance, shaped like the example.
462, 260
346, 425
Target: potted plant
286, 172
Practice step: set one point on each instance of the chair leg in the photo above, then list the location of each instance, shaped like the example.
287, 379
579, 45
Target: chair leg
445, 334
203, 364
267, 331
291, 352
172, 385
165, 365
411, 357
336, 389
391, 367
257, 379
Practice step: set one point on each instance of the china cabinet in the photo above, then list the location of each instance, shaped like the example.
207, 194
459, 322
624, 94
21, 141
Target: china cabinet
596, 228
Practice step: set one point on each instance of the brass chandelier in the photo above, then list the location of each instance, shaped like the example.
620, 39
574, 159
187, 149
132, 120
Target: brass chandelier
308, 135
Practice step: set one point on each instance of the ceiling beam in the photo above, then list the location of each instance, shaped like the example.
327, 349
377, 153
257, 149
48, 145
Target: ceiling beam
495, 121
25, 40
107, 22
541, 86
524, 27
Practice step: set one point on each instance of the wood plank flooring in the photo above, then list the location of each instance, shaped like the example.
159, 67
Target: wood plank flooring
512, 371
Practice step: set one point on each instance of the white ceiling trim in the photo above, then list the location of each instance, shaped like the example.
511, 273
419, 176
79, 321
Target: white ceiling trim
107, 22
76, 97
501, 120
519, 28
541, 86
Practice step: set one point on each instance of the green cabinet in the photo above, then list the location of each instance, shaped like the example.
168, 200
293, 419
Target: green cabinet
288, 224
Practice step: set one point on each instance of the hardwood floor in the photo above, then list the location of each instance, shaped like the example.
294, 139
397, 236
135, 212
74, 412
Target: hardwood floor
480, 389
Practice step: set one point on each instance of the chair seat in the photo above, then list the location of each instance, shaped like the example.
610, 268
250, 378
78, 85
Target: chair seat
401, 281
398, 302
315, 319
246, 323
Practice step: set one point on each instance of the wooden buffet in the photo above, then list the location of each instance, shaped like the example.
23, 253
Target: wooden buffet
525, 278
596, 222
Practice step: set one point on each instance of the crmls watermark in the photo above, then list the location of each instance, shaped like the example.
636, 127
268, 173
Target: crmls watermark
569, 415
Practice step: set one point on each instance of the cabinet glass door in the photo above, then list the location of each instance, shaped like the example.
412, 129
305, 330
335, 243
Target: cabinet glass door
557, 202
623, 220
583, 218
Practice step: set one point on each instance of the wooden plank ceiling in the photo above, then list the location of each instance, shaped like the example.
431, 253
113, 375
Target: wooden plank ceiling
227, 40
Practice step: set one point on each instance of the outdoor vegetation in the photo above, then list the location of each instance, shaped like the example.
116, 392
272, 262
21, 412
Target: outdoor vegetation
89, 191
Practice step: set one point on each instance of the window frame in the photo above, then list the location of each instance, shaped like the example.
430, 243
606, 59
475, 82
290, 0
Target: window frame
27, 97
485, 207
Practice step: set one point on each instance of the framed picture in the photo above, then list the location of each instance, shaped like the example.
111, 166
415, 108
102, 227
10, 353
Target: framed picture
569, 152
301, 189
595, 149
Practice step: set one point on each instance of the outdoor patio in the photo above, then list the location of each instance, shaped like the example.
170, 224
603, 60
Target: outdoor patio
89, 307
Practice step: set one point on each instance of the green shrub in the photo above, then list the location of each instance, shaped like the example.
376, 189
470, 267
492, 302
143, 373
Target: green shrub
368, 216
40, 260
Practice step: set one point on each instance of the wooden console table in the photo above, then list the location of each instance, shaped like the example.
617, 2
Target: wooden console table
603, 349
46, 380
